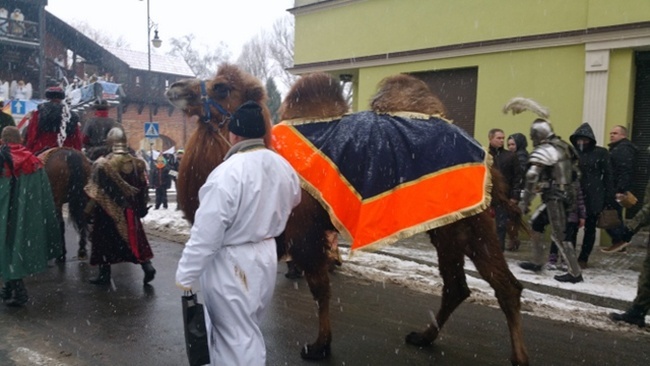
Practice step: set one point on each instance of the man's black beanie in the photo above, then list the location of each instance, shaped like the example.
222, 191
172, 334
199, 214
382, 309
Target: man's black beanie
248, 121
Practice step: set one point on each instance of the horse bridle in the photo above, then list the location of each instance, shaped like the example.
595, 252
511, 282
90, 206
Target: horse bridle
207, 102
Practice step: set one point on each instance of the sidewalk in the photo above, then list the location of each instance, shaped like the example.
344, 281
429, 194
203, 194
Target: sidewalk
607, 276
610, 281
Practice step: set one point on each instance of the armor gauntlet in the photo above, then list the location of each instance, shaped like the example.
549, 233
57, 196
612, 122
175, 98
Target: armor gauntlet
530, 187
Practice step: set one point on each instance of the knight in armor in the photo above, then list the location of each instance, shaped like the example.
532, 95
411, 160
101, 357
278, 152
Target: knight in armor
95, 131
119, 196
53, 124
552, 172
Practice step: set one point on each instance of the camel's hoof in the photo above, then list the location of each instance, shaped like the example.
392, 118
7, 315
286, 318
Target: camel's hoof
82, 254
310, 352
417, 339
60, 259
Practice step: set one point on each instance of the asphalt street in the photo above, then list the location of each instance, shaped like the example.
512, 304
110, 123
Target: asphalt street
70, 322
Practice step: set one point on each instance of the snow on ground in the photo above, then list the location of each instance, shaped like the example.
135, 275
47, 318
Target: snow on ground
620, 284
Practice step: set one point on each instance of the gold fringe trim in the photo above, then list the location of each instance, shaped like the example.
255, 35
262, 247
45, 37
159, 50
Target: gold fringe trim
305, 121
416, 115
408, 232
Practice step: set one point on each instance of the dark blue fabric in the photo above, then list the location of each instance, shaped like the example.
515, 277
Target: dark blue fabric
376, 153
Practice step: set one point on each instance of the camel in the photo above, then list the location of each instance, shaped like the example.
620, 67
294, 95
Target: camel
307, 237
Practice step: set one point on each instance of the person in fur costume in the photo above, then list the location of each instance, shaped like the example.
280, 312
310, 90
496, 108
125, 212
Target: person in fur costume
119, 196
53, 124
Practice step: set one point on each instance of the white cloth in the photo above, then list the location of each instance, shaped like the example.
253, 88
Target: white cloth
244, 204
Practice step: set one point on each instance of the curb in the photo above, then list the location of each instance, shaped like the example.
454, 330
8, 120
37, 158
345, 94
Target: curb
555, 291
596, 300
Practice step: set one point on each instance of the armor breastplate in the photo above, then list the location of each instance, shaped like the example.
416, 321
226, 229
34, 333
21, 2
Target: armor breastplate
556, 155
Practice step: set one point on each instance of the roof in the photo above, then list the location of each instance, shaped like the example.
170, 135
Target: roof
165, 64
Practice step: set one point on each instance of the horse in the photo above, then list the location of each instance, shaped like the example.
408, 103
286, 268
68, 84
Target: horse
68, 171
307, 235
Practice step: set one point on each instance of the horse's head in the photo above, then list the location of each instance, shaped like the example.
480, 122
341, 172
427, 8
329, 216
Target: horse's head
405, 93
315, 96
214, 100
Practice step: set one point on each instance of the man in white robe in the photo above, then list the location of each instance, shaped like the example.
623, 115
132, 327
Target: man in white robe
244, 204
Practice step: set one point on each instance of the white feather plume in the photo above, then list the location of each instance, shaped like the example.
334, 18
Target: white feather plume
519, 104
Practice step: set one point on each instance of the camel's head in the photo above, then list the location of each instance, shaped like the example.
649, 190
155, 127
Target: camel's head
314, 96
214, 100
406, 93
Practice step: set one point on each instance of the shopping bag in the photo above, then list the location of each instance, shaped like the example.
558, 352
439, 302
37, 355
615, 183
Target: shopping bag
608, 219
196, 336
629, 200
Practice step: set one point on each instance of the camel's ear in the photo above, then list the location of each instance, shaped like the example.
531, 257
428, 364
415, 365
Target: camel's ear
222, 90
255, 93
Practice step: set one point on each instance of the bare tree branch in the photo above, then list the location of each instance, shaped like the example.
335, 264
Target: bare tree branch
99, 36
281, 49
253, 57
203, 63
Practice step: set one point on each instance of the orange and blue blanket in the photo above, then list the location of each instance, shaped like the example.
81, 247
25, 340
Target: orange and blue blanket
387, 177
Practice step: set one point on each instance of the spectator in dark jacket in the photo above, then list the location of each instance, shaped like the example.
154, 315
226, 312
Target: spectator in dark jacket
507, 164
596, 184
622, 154
160, 180
517, 143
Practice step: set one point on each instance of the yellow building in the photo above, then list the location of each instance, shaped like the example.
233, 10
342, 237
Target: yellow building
586, 60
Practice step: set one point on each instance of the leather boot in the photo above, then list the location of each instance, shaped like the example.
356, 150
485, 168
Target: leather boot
633, 315
104, 276
6, 291
19, 297
149, 272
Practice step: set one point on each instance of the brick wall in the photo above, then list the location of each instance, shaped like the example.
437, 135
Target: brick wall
175, 129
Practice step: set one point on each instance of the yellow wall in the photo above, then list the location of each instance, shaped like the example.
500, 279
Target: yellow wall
620, 99
375, 27
611, 12
554, 77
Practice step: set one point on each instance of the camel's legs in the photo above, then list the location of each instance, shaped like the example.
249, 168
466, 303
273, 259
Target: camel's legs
485, 252
455, 290
319, 285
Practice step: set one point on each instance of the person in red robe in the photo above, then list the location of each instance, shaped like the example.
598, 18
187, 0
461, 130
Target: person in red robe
45, 124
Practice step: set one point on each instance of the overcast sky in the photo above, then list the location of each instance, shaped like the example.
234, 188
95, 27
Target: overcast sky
232, 21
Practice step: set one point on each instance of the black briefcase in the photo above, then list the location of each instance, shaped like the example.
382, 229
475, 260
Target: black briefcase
196, 336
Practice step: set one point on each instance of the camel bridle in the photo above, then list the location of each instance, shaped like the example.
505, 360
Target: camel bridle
207, 102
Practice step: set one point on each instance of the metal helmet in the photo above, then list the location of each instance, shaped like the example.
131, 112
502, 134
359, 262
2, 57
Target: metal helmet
540, 131
116, 138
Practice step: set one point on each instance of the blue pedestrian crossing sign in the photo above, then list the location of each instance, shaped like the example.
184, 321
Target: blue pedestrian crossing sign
151, 130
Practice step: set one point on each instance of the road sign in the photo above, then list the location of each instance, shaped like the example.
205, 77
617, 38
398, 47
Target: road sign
151, 130
18, 107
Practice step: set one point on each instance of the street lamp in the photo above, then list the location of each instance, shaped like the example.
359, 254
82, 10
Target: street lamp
156, 42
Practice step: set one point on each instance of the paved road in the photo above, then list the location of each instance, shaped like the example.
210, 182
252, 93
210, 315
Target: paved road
70, 322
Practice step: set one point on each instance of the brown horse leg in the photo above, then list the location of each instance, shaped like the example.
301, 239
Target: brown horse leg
62, 257
455, 290
488, 258
319, 284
